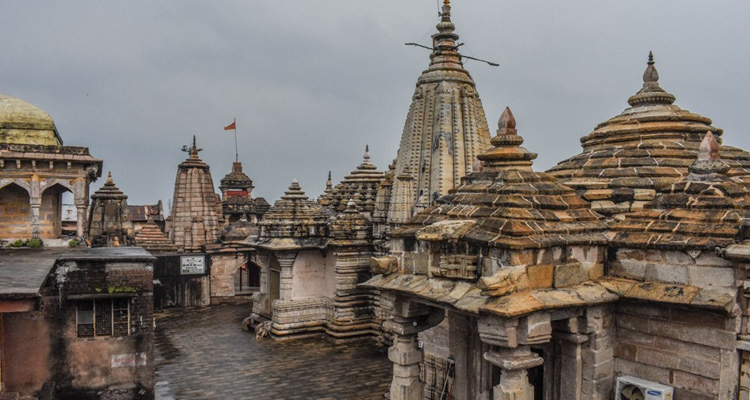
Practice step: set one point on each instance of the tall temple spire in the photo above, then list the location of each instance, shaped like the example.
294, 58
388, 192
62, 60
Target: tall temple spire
445, 128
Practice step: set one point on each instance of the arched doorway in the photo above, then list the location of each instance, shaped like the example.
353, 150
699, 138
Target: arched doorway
15, 212
51, 212
247, 279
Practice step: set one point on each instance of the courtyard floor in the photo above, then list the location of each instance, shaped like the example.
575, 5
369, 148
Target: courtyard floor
202, 353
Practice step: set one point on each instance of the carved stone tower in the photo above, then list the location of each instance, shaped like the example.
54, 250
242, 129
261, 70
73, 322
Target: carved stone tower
110, 223
445, 129
196, 208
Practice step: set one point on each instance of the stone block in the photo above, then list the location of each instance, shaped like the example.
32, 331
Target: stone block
597, 357
695, 383
711, 259
656, 374
632, 323
703, 276
677, 258
693, 333
667, 273
625, 351
626, 268
700, 366
540, 276
595, 270
570, 274
657, 358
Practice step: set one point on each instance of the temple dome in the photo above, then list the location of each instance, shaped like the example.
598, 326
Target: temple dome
627, 159
24, 123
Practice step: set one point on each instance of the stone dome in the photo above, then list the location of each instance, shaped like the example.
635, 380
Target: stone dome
24, 123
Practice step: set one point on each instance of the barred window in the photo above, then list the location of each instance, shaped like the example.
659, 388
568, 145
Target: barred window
103, 317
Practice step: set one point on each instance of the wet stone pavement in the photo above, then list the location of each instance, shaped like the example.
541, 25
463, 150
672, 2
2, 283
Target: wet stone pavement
202, 353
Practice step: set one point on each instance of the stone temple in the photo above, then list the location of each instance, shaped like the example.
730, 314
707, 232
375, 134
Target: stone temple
622, 272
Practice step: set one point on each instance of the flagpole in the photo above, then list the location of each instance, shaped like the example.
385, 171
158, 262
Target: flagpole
236, 152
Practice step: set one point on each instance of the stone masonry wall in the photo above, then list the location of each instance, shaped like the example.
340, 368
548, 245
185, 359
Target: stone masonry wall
691, 350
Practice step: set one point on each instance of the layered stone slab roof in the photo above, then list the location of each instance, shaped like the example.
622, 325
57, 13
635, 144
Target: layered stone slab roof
151, 238
361, 185
293, 222
507, 204
648, 146
701, 211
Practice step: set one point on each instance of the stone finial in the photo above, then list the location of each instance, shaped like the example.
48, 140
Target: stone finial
329, 182
650, 75
506, 151
651, 93
109, 178
506, 125
709, 164
367, 153
709, 148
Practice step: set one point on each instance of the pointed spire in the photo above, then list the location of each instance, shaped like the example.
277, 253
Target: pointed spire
651, 93
329, 182
444, 41
367, 154
507, 152
294, 191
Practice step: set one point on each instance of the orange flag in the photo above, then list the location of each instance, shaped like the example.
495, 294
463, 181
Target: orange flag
231, 126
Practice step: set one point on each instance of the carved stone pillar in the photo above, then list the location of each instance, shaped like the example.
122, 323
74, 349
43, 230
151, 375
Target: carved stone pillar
80, 198
514, 363
409, 319
35, 201
286, 262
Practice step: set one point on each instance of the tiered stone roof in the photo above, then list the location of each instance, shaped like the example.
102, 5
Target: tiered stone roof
293, 222
509, 205
361, 185
626, 159
444, 131
704, 210
151, 238
237, 200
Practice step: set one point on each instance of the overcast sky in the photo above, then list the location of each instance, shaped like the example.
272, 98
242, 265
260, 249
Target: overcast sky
312, 82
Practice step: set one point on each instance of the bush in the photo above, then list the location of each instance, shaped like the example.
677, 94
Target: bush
17, 243
73, 242
34, 243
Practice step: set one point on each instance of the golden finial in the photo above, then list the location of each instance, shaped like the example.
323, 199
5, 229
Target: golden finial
447, 2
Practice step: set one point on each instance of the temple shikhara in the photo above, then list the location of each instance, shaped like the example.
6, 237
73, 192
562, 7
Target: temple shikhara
622, 272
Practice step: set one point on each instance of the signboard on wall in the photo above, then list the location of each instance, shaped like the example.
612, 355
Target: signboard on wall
192, 265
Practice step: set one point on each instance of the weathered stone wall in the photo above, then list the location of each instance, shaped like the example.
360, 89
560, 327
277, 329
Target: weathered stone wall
313, 275
223, 269
692, 350
26, 341
692, 267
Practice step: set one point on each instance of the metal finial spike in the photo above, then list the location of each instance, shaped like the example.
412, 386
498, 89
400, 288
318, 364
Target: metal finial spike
194, 141
109, 178
650, 58
329, 175
367, 153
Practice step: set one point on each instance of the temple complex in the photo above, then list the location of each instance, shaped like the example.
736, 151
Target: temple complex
445, 130
35, 170
196, 208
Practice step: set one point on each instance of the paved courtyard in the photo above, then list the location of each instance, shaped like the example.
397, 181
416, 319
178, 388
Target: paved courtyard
202, 353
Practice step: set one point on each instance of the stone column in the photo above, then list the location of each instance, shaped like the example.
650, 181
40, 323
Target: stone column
35, 201
514, 363
570, 339
286, 262
80, 198
409, 319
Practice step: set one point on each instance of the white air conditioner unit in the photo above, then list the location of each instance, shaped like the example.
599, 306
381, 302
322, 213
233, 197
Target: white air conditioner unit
632, 388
